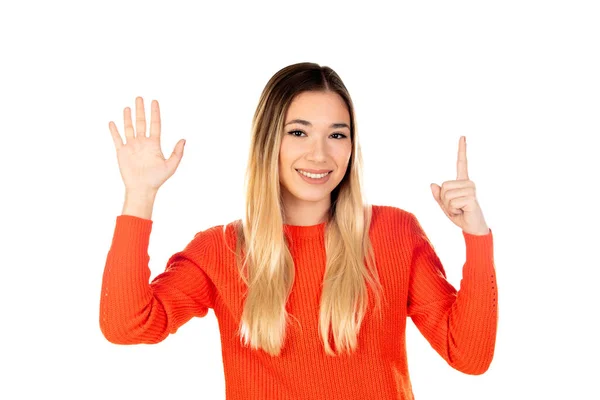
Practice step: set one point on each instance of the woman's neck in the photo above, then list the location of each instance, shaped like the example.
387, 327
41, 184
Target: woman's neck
304, 213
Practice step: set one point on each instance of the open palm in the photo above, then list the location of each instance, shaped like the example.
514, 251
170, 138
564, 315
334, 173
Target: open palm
141, 161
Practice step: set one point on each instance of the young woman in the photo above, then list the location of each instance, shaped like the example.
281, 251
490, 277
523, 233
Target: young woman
312, 287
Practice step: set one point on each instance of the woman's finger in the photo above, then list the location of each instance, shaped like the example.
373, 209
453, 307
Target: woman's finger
155, 120
115, 135
455, 205
129, 134
454, 193
140, 117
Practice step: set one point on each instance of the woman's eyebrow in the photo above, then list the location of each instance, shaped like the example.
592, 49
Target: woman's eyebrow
306, 123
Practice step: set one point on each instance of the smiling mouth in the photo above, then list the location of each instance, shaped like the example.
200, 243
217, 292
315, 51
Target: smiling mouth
323, 172
313, 175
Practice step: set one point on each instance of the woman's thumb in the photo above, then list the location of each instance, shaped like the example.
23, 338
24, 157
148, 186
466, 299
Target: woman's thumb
175, 157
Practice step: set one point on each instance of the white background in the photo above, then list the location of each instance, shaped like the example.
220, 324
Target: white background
520, 79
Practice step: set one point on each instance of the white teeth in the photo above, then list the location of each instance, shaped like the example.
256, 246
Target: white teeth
314, 176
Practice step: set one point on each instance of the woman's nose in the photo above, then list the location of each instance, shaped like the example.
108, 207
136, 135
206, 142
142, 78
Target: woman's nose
318, 150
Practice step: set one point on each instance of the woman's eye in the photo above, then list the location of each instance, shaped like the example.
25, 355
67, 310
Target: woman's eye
340, 135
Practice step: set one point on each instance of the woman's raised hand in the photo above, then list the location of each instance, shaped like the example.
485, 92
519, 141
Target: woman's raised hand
141, 162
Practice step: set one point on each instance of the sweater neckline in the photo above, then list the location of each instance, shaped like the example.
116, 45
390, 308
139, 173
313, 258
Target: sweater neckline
305, 231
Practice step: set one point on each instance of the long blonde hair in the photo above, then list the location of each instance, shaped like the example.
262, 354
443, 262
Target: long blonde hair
268, 267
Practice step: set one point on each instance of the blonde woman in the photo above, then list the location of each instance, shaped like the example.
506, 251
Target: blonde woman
312, 287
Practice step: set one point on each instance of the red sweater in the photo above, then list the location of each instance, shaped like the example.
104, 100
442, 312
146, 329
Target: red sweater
460, 326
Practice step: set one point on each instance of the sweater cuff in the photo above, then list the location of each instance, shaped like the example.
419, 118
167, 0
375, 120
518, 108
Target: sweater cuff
132, 232
480, 254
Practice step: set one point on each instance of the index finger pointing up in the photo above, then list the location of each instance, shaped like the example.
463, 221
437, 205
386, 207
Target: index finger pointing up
461, 165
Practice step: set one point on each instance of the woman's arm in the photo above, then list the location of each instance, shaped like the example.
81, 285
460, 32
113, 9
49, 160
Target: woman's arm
134, 311
460, 326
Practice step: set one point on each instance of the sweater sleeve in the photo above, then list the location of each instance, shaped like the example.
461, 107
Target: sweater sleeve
460, 326
134, 311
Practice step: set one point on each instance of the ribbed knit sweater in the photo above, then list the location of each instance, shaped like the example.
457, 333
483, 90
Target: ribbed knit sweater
459, 325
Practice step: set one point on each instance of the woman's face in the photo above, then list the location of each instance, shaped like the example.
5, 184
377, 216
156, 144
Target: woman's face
316, 137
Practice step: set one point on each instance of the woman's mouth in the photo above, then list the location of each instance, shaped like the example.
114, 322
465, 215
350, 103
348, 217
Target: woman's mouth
314, 178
